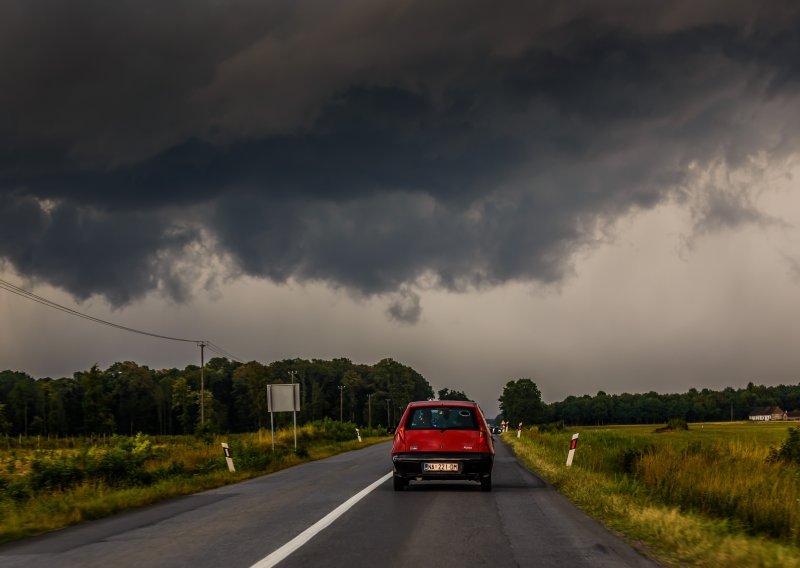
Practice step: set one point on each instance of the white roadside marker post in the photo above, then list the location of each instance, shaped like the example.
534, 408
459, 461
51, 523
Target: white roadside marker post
358, 434
572, 447
519, 430
228, 457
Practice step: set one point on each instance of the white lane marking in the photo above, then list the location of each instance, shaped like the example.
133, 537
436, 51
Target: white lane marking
312, 531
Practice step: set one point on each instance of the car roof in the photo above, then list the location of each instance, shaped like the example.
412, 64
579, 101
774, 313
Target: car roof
455, 403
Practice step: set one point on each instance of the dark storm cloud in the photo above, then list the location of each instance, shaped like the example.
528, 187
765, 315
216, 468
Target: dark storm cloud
373, 145
121, 255
405, 307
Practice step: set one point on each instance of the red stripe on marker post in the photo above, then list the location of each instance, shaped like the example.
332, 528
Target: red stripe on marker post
572, 447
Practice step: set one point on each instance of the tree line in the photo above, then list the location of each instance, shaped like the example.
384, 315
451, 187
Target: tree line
521, 401
127, 398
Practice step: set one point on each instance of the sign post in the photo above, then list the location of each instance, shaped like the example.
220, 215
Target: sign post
572, 446
283, 398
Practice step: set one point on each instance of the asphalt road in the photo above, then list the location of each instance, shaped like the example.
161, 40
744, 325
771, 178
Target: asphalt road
522, 522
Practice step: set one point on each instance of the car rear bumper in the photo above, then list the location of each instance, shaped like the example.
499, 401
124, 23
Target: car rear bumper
471, 465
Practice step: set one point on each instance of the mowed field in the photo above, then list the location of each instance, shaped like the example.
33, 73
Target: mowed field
707, 496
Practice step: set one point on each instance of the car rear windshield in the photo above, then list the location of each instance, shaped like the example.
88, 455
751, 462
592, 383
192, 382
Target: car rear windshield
442, 418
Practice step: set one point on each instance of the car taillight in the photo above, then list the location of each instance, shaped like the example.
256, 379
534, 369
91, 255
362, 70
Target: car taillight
399, 443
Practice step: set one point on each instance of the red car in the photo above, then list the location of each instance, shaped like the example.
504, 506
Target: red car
442, 439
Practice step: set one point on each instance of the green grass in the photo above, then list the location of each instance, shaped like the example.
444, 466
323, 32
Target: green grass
76, 480
703, 497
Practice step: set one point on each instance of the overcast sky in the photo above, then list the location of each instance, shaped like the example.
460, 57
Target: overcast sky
595, 195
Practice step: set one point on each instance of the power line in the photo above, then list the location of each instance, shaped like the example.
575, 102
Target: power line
9, 287
44, 301
220, 351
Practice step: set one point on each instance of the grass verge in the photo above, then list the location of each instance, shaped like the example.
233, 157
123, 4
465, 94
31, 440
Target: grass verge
701, 498
47, 490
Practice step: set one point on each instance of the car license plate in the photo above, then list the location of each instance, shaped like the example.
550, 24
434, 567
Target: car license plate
440, 467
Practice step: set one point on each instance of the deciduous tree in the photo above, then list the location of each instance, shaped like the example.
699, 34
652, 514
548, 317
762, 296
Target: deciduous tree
521, 401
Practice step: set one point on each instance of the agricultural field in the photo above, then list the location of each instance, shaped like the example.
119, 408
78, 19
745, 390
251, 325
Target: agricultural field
49, 484
715, 494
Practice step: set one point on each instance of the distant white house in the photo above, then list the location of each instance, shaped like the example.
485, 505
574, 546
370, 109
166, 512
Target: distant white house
767, 413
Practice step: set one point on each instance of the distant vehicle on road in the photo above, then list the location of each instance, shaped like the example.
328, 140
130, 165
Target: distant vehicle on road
438, 440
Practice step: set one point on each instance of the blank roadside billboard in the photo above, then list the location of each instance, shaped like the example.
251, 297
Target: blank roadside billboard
283, 398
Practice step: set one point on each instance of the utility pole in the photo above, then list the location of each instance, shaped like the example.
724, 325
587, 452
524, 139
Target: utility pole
369, 408
341, 402
294, 413
388, 415
202, 346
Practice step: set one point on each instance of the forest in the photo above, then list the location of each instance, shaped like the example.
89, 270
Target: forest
704, 405
521, 402
127, 398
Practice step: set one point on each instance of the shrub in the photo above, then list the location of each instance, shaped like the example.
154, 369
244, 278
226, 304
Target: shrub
212, 464
18, 489
677, 424
674, 424
248, 456
630, 458
551, 427
49, 473
334, 430
173, 469
205, 432
790, 449
373, 432
118, 467
123, 463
